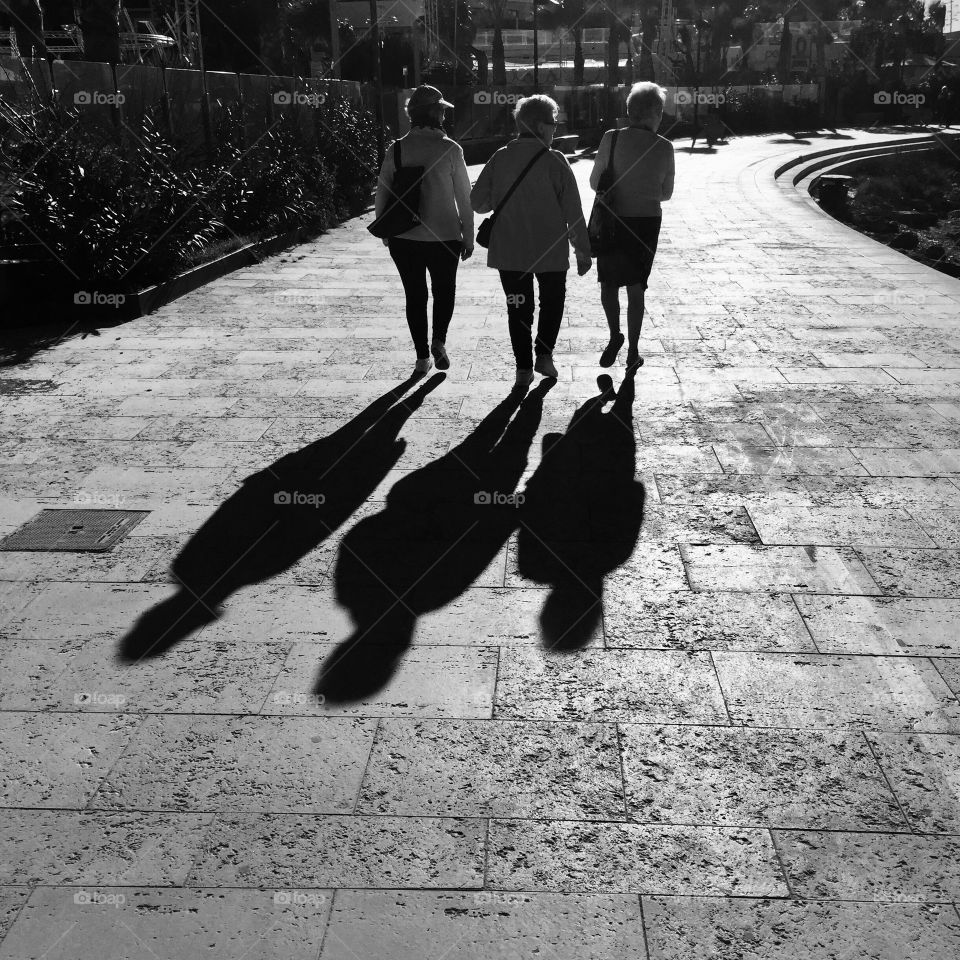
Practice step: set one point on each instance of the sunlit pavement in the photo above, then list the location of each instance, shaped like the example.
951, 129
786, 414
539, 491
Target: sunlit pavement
399, 728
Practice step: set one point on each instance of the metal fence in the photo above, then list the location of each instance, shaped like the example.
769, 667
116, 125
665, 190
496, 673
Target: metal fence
191, 102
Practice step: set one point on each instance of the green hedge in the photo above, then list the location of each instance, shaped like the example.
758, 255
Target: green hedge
130, 208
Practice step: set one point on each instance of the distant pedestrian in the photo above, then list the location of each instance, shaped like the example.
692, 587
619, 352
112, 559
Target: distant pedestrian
643, 166
445, 234
533, 231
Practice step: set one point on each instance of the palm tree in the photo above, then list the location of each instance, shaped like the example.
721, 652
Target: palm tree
573, 13
100, 23
496, 8
649, 22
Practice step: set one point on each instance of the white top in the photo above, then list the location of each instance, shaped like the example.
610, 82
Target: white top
643, 168
445, 211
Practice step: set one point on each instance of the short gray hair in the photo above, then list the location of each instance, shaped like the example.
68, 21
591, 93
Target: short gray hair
536, 109
645, 101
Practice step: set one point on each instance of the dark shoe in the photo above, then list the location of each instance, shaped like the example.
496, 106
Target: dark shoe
544, 365
439, 352
634, 360
609, 355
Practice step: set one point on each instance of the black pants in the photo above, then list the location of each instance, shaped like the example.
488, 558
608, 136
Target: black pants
415, 259
520, 308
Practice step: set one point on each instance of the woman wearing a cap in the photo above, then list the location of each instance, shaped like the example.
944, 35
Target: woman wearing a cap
445, 234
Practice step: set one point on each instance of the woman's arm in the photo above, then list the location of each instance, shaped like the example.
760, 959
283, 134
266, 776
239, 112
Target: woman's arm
572, 207
461, 193
384, 183
602, 160
481, 196
666, 188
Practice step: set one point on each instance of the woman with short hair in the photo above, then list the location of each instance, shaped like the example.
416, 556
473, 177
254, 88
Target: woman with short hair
643, 170
444, 236
532, 234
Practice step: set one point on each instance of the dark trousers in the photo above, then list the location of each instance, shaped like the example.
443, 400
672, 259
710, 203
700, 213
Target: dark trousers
415, 259
520, 308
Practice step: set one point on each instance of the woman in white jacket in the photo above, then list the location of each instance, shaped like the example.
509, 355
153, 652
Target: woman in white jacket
445, 233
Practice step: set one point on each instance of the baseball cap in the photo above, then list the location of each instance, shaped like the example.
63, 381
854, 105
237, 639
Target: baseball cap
426, 96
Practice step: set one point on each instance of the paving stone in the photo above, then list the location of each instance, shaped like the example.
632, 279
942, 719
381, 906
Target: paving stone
204, 763
743, 458
488, 618
195, 676
56, 847
299, 851
943, 526
681, 927
57, 760
639, 685
836, 692
914, 573
742, 777
913, 494
475, 926
881, 625
870, 866
12, 900
841, 527
494, 768
777, 569
534, 855
65, 923
695, 524
704, 621
950, 671
924, 771
740, 489
427, 682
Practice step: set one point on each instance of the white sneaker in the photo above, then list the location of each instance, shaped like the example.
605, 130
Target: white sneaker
545, 367
524, 377
422, 366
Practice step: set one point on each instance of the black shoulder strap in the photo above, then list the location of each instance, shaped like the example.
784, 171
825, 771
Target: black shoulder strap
613, 148
516, 183
396, 155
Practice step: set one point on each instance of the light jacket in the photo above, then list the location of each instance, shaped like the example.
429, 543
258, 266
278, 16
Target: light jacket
643, 171
445, 211
543, 216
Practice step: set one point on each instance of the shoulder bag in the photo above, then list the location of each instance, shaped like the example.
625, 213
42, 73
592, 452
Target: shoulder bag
486, 228
402, 212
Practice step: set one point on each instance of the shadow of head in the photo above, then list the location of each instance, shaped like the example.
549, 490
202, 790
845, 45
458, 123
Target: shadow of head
278, 516
582, 515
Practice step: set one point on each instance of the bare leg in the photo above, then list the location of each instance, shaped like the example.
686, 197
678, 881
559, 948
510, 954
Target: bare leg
635, 304
610, 298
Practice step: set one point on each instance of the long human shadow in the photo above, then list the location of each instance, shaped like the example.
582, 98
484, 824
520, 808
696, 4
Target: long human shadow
582, 515
277, 517
441, 528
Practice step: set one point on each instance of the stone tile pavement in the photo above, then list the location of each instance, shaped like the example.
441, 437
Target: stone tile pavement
752, 750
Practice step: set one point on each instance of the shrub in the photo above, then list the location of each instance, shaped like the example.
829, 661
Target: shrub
128, 210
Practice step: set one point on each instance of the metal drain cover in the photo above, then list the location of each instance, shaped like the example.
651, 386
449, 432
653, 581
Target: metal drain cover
74, 530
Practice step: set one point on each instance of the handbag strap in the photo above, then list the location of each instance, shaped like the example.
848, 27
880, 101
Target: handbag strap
396, 155
516, 183
608, 173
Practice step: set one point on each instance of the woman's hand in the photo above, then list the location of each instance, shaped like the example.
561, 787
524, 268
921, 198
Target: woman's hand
386, 242
584, 263
466, 253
